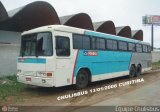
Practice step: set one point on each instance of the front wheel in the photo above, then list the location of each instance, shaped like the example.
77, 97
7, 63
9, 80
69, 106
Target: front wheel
82, 79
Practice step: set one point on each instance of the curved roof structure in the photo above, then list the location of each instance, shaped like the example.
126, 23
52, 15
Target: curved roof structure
124, 31
33, 15
80, 20
3, 13
137, 34
105, 27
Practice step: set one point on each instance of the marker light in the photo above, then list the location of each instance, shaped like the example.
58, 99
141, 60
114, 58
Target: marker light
49, 74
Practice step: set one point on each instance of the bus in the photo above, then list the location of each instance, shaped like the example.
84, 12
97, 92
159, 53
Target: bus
59, 55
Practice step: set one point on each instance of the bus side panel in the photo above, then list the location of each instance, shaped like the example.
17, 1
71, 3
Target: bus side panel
142, 58
106, 62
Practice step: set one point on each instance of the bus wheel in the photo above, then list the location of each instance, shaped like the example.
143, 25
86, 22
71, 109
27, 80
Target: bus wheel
138, 70
82, 79
132, 71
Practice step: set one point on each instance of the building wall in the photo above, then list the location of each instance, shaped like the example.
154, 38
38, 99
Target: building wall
9, 52
8, 59
155, 56
10, 37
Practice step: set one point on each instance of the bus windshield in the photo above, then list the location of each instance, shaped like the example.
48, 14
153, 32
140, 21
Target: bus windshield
37, 44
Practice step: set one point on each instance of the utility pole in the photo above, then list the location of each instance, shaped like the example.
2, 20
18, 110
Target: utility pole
152, 37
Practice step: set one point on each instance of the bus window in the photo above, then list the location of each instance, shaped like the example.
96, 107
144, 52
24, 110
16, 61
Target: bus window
111, 44
28, 47
38, 44
93, 41
149, 49
81, 42
131, 47
115, 45
145, 49
86, 42
122, 46
77, 42
44, 44
102, 44
62, 46
138, 48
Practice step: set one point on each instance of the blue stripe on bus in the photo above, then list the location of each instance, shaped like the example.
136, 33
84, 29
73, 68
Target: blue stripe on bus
32, 60
97, 34
104, 62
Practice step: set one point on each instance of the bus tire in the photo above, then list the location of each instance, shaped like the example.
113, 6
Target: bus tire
132, 71
82, 79
138, 70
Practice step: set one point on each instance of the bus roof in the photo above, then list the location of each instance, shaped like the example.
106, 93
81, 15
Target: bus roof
61, 28
69, 29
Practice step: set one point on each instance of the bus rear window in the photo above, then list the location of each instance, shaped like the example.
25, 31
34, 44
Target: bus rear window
38, 44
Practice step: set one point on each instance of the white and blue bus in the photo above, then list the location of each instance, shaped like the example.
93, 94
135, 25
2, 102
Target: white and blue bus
58, 55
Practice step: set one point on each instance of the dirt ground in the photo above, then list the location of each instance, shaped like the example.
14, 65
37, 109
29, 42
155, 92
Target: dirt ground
37, 96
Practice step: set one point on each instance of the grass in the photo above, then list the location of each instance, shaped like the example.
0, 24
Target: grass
10, 87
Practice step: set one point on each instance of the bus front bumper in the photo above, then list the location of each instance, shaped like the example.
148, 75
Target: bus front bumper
36, 81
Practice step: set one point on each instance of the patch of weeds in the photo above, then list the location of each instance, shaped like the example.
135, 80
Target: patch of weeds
9, 86
156, 65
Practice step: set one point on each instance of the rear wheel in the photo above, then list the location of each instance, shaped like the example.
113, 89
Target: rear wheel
132, 71
82, 79
138, 70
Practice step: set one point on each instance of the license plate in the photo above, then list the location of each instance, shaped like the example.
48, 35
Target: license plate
28, 79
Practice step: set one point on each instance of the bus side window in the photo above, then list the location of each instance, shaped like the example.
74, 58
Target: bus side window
131, 47
122, 45
77, 41
139, 48
62, 46
115, 46
149, 49
145, 49
109, 44
93, 42
86, 43
100, 44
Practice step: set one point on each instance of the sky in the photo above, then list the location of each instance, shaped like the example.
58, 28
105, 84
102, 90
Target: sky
121, 12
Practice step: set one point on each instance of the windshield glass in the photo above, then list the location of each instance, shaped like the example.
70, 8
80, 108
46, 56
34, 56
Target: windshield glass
37, 44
